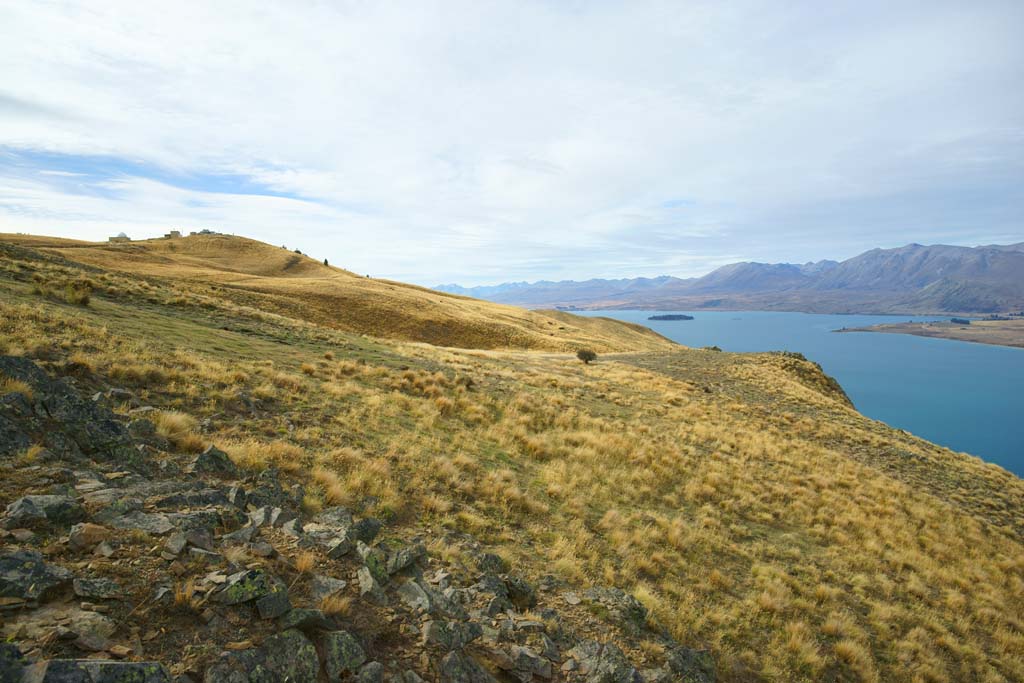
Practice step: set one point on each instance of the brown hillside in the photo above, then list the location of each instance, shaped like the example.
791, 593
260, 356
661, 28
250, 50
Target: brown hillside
281, 281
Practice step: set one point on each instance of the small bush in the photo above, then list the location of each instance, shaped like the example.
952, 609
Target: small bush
586, 355
10, 385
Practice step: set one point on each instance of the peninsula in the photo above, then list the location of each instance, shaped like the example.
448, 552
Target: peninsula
997, 332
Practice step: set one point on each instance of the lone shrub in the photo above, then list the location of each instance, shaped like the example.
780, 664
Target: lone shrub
586, 355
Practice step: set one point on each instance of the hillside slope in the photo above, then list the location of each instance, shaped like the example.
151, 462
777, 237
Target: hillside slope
448, 514
280, 281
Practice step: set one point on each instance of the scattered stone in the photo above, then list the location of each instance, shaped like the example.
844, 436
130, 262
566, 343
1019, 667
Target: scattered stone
205, 556
101, 589
323, 586
623, 607
262, 549
571, 598
451, 635
305, 620
240, 536
87, 535
279, 516
413, 595
30, 511
237, 497
287, 656
342, 655
95, 671
375, 560
154, 523
405, 557
24, 575
691, 666
216, 462
457, 667
200, 538
522, 594
372, 672
526, 664
369, 587
22, 535
104, 549
175, 543
274, 603
366, 530
293, 527
489, 563
245, 586
12, 662
604, 663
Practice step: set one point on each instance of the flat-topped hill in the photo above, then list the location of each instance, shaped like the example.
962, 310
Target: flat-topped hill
278, 280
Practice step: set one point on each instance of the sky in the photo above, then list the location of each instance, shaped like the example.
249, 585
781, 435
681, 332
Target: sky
482, 142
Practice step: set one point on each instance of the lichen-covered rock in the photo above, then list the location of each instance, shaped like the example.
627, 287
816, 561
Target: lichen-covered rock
59, 419
275, 602
520, 592
245, 586
86, 536
451, 635
97, 589
404, 557
457, 667
369, 587
691, 666
305, 619
375, 560
29, 511
12, 662
322, 586
604, 663
24, 575
342, 655
154, 523
95, 671
624, 609
288, 657
215, 462
372, 672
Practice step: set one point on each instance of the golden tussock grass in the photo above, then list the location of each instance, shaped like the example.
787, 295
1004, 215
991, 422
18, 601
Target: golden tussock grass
765, 519
9, 385
179, 429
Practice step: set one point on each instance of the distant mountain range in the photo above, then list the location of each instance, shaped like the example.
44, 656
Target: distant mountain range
911, 279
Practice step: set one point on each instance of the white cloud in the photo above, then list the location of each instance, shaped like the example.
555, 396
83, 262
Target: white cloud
491, 141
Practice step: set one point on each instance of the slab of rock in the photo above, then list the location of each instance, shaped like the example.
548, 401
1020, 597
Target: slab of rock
216, 462
305, 620
624, 608
603, 663
691, 666
451, 635
95, 671
373, 672
457, 667
275, 602
154, 523
288, 656
30, 511
342, 655
323, 586
97, 589
404, 557
369, 587
12, 662
24, 575
86, 536
245, 586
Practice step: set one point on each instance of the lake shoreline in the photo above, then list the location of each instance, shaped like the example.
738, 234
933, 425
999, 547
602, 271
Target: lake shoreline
1007, 333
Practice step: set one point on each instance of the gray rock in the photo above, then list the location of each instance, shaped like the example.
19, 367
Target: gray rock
625, 610
339, 546
371, 673
97, 589
238, 497
342, 655
604, 663
305, 620
521, 593
366, 530
457, 667
323, 586
216, 462
489, 563
691, 666
154, 523
451, 635
241, 536
275, 603
30, 511
200, 538
205, 556
12, 662
369, 587
24, 575
245, 586
413, 595
279, 516
337, 517
526, 664
375, 560
293, 527
175, 543
405, 557
95, 671
287, 657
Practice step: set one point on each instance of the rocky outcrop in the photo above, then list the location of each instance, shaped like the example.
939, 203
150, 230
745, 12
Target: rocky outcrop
193, 565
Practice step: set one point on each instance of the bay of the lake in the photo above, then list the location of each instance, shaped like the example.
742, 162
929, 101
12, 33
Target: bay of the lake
965, 396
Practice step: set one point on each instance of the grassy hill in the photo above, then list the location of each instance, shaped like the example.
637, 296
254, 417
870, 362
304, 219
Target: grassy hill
739, 497
277, 280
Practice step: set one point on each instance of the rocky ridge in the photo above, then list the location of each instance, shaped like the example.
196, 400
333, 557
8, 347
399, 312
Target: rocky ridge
121, 560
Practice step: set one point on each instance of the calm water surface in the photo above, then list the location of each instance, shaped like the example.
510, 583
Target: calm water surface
968, 397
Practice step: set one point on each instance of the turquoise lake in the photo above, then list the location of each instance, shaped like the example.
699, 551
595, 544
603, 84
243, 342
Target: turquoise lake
967, 397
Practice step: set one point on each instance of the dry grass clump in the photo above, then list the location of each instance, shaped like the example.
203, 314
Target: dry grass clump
10, 385
336, 605
179, 429
76, 292
258, 455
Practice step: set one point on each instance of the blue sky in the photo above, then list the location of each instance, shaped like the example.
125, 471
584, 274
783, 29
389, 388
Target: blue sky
486, 142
